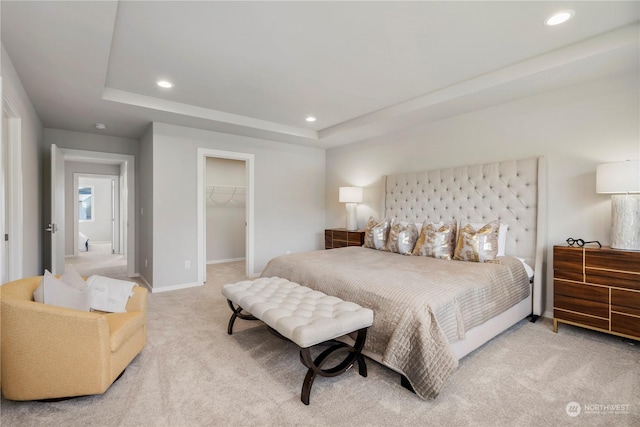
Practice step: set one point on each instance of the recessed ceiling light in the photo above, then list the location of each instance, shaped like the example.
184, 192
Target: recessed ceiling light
165, 84
311, 119
559, 18
100, 126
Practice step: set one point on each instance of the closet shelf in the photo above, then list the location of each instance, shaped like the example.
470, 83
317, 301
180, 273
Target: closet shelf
224, 194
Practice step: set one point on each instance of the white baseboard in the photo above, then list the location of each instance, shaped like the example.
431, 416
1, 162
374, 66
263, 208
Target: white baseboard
548, 314
220, 261
176, 287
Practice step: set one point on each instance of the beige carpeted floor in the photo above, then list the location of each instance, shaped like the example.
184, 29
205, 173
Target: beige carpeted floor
193, 374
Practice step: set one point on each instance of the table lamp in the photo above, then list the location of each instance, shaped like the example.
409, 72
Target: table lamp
622, 181
351, 196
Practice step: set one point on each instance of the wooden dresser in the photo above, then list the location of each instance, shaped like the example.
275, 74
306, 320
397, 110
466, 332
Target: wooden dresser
597, 289
340, 237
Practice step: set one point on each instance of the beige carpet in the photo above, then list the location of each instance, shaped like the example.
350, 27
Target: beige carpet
193, 374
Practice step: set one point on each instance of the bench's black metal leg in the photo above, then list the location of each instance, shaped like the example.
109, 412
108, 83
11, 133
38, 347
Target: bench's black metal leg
234, 316
237, 312
315, 365
359, 345
308, 379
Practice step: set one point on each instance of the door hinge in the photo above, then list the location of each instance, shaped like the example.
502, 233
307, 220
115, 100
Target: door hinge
6, 237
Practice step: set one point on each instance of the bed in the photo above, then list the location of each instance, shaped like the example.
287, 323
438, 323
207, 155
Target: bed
430, 312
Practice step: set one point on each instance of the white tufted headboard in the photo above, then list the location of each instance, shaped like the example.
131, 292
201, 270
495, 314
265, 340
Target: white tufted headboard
511, 191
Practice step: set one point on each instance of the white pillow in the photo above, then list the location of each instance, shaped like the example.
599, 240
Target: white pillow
527, 268
56, 292
502, 236
73, 279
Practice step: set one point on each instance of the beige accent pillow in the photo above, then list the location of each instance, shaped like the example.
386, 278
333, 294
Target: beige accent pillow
436, 240
376, 234
477, 245
402, 238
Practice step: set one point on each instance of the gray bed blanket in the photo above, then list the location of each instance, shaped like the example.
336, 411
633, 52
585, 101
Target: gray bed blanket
420, 304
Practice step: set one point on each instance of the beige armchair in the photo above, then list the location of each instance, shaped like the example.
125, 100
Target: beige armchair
52, 352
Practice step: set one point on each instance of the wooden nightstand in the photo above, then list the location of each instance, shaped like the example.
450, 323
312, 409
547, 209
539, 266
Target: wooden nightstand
597, 289
340, 238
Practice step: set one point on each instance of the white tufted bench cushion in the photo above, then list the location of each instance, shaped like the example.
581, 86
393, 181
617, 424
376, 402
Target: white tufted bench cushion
304, 316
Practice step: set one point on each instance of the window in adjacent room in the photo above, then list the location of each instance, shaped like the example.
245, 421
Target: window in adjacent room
85, 203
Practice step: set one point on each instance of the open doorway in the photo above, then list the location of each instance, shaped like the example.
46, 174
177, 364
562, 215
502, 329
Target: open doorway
226, 194
95, 245
90, 163
225, 210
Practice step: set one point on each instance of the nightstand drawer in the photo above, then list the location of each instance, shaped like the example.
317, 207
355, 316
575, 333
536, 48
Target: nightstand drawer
592, 308
340, 243
581, 291
581, 319
328, 239
627, 325
341, 237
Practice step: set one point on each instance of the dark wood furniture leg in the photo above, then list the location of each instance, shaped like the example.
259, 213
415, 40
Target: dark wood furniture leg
315, 365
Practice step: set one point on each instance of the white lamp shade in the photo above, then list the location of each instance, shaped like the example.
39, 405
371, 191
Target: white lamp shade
618, 177
350, 194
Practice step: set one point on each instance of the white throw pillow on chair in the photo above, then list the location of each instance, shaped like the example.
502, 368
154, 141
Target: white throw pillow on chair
70, 291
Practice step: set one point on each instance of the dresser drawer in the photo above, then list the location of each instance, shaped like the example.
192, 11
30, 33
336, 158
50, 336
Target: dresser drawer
581, 319
617, 279
625, 301
623, 324
568, 263
581, 291
592, 308
612, 259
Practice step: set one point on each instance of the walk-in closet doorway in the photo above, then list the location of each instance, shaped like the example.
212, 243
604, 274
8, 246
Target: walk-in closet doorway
225, 211
226, 201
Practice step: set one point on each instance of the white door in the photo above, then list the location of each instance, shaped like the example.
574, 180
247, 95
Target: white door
56, 226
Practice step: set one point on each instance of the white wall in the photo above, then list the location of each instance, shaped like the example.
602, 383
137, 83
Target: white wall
575, 128
225, 219
289, 198
71, 168
32, 175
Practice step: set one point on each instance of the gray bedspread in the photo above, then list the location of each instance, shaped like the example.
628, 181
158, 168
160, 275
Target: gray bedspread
420, 304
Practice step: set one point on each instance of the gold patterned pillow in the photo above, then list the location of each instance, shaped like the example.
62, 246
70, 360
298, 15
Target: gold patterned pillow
436, 240
477, 245
402, 238
376, 234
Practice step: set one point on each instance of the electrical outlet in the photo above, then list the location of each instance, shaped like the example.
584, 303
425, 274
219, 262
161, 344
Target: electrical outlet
187, 264
145, 264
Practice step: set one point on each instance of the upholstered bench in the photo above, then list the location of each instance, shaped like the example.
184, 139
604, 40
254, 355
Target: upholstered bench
305, 317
